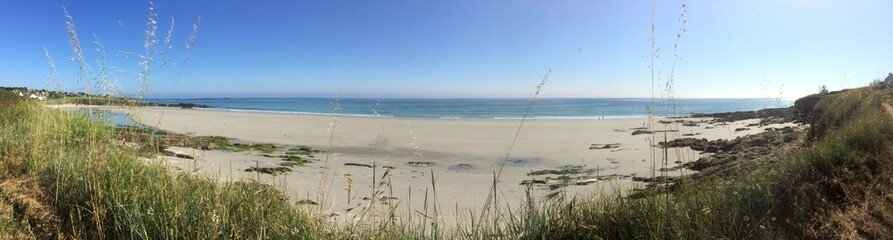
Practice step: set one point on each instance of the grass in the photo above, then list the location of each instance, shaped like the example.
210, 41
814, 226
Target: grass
95, 100
65, 175
67, 178
817, 191
92, 188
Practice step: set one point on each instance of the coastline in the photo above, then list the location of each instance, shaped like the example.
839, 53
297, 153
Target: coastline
464, 154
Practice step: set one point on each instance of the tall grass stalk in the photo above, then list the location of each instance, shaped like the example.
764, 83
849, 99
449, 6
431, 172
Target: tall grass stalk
190, 42
491, 202
327, 178
53, 78
84, 69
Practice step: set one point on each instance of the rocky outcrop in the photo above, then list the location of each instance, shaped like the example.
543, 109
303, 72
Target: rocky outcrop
179, 105
727, 153
783, 114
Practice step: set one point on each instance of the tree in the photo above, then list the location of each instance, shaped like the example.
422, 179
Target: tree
823, 90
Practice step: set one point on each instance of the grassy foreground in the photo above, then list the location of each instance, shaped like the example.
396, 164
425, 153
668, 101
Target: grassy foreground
65, 176
834, 184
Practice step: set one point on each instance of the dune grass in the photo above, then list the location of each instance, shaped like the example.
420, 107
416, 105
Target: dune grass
66, 175
90, 187
832, 185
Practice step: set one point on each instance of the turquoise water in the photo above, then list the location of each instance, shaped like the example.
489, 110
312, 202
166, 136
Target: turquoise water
550, 108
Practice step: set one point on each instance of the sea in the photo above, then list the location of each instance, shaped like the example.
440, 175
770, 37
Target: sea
483, 108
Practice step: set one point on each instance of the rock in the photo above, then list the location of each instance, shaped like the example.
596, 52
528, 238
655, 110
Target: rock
190, 105
637, 132
386, 198
741, 129
684, 142
306, 202
604, 146
291, 164
269, 170
788, 113
533, 181
420, 164
522, 162
461, 167
358, 165
747, 148
564, 170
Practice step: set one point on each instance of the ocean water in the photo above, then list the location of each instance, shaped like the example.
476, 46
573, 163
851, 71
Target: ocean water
482, 108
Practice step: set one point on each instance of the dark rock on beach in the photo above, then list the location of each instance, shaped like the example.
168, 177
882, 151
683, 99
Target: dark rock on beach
461, 167
519, 162
420, 164
270, 170
746, 148
179, 105
306, 202
564, 170
637, 132
604, 146
787, 114
358, 165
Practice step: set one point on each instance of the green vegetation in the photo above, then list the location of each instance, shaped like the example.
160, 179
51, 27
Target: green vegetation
833, 186
7, 96
214, 143
94, 100
71, 181
61, 176
65, 175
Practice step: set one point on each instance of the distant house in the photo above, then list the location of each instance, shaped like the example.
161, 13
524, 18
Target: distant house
39, 96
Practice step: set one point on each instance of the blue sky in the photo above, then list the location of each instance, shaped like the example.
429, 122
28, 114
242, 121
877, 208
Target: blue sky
752, 48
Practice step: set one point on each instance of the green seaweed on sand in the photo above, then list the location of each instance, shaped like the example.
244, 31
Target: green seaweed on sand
270, 170
213, 143
302, 150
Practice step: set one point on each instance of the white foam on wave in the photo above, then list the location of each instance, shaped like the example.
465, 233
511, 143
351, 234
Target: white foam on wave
443, 118
575, 117
295, 112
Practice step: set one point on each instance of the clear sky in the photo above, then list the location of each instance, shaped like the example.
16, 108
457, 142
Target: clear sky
753, 48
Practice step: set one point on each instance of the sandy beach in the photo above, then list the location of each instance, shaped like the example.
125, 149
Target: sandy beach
464, 156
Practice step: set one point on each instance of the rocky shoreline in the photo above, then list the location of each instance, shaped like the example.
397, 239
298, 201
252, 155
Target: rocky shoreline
723, 157
103, 101
788, 114
718, 158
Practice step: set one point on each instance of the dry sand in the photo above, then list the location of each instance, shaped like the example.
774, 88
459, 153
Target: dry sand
482, 144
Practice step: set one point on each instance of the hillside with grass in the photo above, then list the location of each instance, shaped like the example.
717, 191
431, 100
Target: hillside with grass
67, 176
